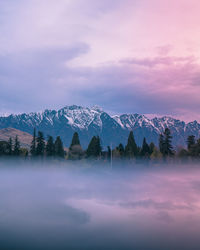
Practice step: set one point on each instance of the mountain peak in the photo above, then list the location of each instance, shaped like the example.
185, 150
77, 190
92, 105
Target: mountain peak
97, 108
90, 121
73, 107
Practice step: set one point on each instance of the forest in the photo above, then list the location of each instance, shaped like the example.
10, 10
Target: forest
50, 148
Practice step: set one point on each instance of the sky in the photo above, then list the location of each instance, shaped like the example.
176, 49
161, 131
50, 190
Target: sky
127, 56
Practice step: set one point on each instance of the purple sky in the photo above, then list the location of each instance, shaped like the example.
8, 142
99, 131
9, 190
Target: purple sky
135, 56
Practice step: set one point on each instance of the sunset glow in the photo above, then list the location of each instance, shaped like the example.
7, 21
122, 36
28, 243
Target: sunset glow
144, 53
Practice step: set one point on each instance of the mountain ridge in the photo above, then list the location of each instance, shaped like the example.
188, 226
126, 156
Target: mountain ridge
94, 121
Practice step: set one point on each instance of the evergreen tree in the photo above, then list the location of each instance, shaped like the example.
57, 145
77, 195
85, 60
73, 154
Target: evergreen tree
10, 146
161, 144
40, 148
131, 149
165, 143
94, 147
109, 152
91, 147
151, 147
59, 149
16, 151
75, 140
33, 144
168, 148
195, 149
190, 142
75, 149
198, 148
145, 151
98, 146
4, 148
50, 147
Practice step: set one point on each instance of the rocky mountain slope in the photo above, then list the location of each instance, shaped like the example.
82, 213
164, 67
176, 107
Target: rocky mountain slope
94, 121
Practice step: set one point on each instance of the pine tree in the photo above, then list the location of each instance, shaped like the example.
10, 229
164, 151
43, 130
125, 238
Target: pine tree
59, 150
145, 151
4, 148
40, 148
75, 140
16, 151
151, 147
131, 149
108, 152
98, 146
94, 147
50, 147
161, 144
168, 148
33, 144
75, 149
10, 146
197, 148
91, 147
165, 143
190, 142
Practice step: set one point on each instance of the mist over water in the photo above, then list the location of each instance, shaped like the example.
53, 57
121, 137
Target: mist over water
75, 206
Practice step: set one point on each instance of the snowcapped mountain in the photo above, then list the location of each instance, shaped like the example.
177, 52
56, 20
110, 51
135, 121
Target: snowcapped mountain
94, 121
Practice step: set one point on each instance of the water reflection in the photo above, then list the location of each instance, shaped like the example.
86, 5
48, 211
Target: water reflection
65, 208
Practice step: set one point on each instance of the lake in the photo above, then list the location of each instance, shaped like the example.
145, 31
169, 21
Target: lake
64, 207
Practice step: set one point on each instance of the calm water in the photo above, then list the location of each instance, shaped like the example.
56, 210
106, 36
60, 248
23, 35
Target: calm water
64, 208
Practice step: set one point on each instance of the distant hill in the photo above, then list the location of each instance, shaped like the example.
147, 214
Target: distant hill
24, 138
94, 121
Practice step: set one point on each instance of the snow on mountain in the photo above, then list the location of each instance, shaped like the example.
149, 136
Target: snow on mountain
79, 117
132, 121
94, 121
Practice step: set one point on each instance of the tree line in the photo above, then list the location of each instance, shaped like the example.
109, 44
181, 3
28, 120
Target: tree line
55, 148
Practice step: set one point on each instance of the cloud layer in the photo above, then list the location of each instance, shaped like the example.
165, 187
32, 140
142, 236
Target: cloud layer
126, 56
